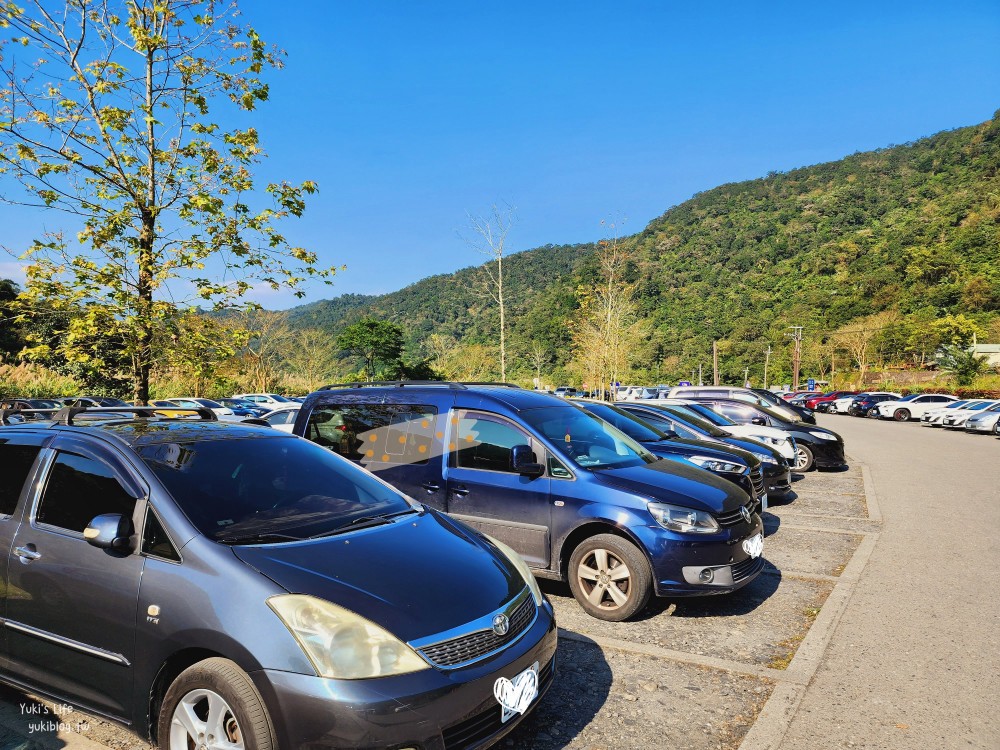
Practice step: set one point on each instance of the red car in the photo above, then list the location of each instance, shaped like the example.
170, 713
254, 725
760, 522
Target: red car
819, 403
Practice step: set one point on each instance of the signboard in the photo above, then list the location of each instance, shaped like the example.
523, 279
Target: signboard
811, 384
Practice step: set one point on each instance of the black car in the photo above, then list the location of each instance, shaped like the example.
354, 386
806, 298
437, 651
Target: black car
213, 584
30, 405
578, 499
816, 447
806, 414
686, 422
866, 404
741, 467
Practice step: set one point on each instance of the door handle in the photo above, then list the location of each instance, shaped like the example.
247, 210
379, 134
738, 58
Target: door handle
430, 487
26, 554
461, 491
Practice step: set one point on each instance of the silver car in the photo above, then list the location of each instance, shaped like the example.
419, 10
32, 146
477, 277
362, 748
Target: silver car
987, 420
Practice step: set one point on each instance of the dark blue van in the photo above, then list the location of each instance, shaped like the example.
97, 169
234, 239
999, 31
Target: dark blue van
577, 498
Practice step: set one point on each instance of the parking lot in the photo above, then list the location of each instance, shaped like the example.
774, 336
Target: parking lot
691, 673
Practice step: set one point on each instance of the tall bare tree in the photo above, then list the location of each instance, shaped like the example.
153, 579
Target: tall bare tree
490, 238
111, 111
858, 338
266, 336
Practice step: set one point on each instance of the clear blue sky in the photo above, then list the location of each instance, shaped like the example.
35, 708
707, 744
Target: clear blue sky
411, 114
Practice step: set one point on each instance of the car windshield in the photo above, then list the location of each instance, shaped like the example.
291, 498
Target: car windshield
908, 398
956, 404
710, 421
586, 440
279, 399
249, 488
981, 405
632, 426
209, 403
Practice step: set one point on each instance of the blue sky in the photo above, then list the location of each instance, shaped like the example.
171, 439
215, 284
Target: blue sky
411, 115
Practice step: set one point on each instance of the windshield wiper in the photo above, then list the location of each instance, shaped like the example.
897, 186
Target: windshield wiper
364, 522
263, 537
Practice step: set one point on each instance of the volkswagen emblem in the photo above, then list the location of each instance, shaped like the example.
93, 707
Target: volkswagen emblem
501, 624
743, 512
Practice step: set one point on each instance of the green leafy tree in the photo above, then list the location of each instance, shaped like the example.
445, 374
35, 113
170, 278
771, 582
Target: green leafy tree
963, 365
11, 339
374, 341
112, 111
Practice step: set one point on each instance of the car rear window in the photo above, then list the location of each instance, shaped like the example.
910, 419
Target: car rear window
377, 433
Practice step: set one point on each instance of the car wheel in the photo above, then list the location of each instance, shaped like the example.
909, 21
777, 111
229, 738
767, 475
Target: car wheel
213, 704
803, 458
996, 428
901, 415
872, 413
609, 577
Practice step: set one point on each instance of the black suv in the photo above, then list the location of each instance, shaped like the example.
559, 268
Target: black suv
217, 584
577, 498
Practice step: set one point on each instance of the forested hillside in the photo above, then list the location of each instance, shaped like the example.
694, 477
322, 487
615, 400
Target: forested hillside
911, 231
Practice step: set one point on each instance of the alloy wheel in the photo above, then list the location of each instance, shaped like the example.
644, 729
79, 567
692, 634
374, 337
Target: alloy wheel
203, 720
604, 579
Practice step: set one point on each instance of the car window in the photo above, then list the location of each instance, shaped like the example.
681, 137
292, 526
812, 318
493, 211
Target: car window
733, 411
484, 442
282, 417
78, 489
155, 540
377, 433
16, 461
187, 403
232, 489
585, 439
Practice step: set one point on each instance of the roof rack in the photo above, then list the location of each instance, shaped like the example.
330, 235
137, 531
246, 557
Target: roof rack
66, 415
403, 383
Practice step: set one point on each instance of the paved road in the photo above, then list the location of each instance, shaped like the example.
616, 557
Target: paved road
915, 660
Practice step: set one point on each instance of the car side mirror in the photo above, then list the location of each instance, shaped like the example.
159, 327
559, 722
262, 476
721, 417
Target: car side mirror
110, 531
524, 461
758, 421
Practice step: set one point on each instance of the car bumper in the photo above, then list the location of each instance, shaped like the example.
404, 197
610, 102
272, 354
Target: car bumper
979, 426
828, 454
777, 480
433, 709
677, 560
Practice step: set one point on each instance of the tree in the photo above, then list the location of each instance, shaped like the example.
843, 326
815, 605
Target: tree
311, 356
109, 114
196, 347
265, 337
490, 240
374, 341
858, 336
11, 340
963, 364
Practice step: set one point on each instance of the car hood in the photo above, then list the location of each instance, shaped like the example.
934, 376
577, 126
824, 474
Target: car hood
753, 431
686, 447
673, 482
417, 576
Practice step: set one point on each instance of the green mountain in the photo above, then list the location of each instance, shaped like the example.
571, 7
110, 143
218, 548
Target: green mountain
913, 229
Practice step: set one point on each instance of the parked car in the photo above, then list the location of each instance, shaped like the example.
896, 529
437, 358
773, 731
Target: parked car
776, 439
94, 401
957, 419
686, 423
241, 408
283, 418
986, 420
29, 405
866, 404
842, 405
565, 391
804, 413
221, 585
741, 467
913, 406
800, 398
222, 412
815, 447
757, 396
578, 499
822, 403
933, 417
267, 400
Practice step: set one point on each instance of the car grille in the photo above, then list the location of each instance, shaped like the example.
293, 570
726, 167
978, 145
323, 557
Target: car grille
747, 569
480, 727
734, 517
757, 479
472, 646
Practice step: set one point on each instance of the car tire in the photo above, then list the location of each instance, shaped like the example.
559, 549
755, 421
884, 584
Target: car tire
803, 458
996, 428
219, 690
872, 413
596, 577
901, 415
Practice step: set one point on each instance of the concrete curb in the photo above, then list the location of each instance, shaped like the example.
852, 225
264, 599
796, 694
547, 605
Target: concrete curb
773, 722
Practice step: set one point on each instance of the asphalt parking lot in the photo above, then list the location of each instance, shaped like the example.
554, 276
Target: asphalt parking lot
692, 673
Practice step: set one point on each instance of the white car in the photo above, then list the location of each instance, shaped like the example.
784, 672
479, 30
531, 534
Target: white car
222, 412
933, 417
841, 405
913, 406
777, 439
282, 418
987, 420
269, 400
957, 419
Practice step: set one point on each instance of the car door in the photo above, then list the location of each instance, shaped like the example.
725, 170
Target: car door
485, 491
71, 624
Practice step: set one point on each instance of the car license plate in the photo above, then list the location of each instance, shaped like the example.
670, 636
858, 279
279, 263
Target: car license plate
514, 696
754, 546
763, 502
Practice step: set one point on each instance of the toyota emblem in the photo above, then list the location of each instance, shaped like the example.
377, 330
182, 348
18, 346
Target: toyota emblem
743, 512
501, 624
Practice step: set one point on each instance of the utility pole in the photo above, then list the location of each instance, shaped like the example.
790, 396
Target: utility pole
796, 336
715, 363
746, 377
767, 359
700, 380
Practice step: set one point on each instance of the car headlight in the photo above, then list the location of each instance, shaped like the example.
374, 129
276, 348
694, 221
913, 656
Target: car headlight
822, 435
764, 458
522, 568
769, 440
684, 520
341, 644
717, 464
